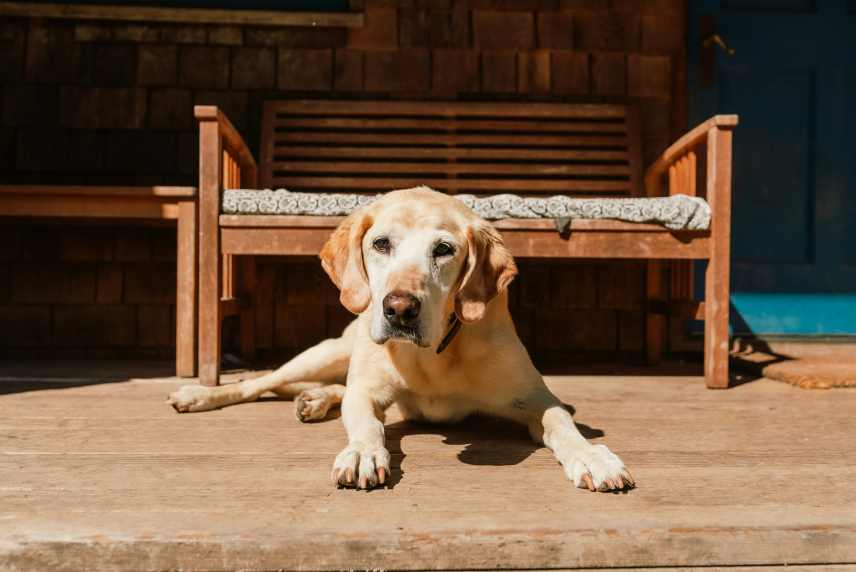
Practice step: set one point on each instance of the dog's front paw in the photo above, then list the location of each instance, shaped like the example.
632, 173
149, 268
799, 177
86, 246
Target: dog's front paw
312, 405
361, 466
596, 468
191, 398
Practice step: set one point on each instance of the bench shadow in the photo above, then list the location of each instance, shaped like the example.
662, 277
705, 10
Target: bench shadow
749, 353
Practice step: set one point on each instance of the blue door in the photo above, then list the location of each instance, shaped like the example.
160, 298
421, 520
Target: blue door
788, 68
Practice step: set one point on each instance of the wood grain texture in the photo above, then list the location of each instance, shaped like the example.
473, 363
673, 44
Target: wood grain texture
100, 473
186, 291
210, 277
524, 243
717, 274
526, 149
182, 15
247, 284
34, 191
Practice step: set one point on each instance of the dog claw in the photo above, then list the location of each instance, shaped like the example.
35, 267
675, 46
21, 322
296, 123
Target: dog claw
381, 475
628, 478
588, 482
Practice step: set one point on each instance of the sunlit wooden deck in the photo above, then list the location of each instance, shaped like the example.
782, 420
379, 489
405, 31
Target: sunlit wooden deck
96, 472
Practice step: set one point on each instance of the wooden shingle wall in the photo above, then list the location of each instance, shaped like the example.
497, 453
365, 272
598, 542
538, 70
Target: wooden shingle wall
111, 103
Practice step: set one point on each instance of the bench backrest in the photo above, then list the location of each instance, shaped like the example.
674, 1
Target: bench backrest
457, 147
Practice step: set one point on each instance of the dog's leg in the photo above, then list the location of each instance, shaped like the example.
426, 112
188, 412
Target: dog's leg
364, 463
592, 467
326, 363
313, 404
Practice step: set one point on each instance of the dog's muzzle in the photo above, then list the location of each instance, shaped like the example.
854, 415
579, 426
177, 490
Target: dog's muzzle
401, 314
401, 310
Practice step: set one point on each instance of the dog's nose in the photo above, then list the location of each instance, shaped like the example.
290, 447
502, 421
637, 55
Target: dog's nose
401, 309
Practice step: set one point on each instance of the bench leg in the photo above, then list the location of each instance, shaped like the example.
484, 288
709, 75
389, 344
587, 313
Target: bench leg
247, 277
716, 281
186, 292
655, 323
716, 306
210, 267
209, 315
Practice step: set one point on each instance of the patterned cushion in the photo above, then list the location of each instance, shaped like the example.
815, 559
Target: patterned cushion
677, 212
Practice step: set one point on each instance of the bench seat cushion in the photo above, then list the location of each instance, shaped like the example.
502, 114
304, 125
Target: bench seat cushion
677, 212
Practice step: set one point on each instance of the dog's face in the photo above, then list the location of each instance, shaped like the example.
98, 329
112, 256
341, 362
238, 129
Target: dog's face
411, 259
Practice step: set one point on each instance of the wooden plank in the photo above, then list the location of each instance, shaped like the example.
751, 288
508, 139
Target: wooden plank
247, 286
530, 110
443, 153
267, 149
87, 206
210, 172
98, 190
634, 142
227, 290
182, 15
717, 274
528, 186
655, 324
280, 221
329, 223
105, 472
186, 291
439, 139
274, 241
450, 168
307, 241
624, 245
302, 123
692, 174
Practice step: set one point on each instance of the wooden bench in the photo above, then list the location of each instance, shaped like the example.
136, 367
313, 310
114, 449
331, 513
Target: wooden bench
481, 148
127, 203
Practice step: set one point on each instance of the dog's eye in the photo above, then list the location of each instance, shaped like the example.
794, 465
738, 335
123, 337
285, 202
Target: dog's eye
443, 249
381, 245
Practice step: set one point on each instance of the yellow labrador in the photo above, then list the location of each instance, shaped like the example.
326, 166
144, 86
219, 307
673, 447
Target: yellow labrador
428, 280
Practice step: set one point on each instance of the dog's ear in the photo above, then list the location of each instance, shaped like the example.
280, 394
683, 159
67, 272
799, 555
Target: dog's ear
490, 269
342, 259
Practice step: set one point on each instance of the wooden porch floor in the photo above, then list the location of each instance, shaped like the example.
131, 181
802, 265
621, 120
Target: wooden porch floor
96, 472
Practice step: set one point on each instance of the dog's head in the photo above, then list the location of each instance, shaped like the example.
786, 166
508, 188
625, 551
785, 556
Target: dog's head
412, 258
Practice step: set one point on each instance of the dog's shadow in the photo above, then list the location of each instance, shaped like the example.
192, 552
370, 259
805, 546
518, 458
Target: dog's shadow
486, 440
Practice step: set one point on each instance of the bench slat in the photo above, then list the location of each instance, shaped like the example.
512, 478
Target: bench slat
481, 147
511, 140
455, 168
287, 122
456, 109
98, 191
490, 185
439, 153
539, 243
331, 222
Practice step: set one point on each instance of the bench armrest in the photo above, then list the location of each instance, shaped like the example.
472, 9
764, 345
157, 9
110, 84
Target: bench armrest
232, 144
684, 150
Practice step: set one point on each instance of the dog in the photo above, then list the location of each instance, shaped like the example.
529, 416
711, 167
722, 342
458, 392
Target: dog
428, 281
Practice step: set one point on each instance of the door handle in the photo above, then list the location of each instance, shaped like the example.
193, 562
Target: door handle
707, 52
716, 40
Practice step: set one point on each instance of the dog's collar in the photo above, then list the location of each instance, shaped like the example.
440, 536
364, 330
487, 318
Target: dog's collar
454, 327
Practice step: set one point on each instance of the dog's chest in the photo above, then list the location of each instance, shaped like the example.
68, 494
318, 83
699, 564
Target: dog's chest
441, 409
440, 393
